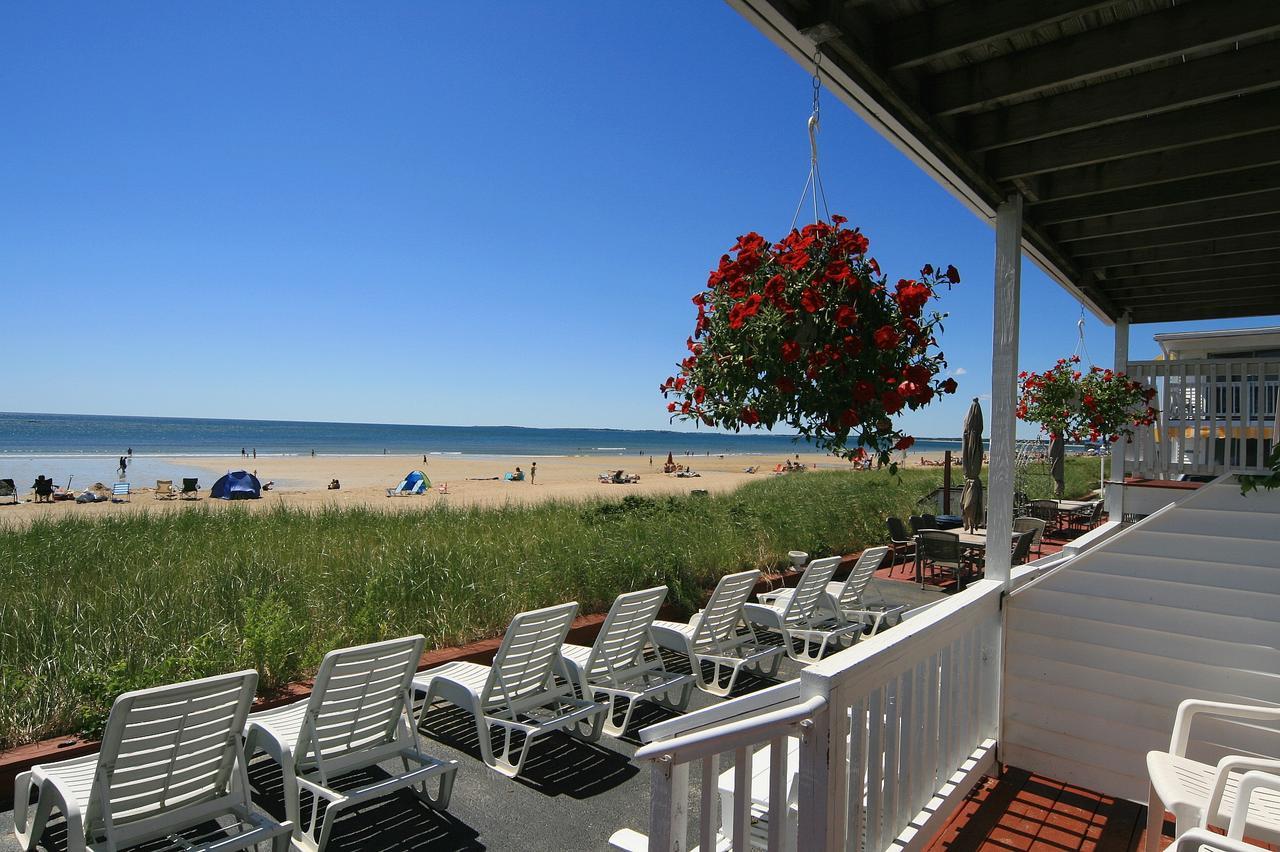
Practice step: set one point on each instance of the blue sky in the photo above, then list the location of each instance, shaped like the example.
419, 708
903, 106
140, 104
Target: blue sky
417, 213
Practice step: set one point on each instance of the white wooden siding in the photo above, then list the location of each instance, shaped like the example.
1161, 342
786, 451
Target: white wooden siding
1098, 653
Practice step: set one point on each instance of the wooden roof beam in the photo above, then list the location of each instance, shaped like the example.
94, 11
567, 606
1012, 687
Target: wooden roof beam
965, 24
1174, 313
1137, 271
1266, 272
1218, 157
1176, 235
1206, 251
1197, 81
1126, 44
1227, 119
1157, 195
1195, 213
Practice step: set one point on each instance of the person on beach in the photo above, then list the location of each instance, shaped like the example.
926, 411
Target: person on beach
533, 472
124, 466
244, 453
130, 452
255, 452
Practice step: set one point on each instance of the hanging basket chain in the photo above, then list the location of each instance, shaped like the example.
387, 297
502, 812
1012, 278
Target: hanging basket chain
814, 180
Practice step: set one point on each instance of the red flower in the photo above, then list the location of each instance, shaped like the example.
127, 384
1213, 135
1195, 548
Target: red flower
811, 300
926, 270
680, 382
850, 418
953, 275
774, 287
671, 406
916, 373
751, 243
949, 386
794, 260
911, 297
863, 391
838, 220
790, 351
784, 384
886, 337
837, 270
904, 443
846, 316
699, 394
749, 416
891, 402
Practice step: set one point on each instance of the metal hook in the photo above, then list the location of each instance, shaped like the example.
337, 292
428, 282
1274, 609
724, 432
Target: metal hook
813, 139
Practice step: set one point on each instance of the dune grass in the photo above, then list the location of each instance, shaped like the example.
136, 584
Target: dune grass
92, 608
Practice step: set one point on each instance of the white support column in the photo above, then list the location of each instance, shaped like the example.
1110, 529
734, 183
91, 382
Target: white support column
1115, 493
1004, 387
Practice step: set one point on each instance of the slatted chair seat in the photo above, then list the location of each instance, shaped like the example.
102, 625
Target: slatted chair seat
170, 761
846, 599
720, 637
527, 693
807, 632
624, 665
359, 714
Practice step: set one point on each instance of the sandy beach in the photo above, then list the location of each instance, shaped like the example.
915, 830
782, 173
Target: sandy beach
301, 481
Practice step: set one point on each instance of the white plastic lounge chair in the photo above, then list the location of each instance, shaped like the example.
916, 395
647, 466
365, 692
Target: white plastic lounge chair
519, 694
1202, 840
170, 761
1253, 786
359, 714
807, 630
713, 636
624, 664
846, 599
1200, 794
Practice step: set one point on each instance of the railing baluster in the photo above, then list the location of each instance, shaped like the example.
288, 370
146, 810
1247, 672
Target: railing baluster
780, 834
857, 791
669, 805
741, 800
707, 811
892, 777
875, 767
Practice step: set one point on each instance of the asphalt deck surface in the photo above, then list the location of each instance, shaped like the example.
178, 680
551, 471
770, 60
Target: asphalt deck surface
572, 795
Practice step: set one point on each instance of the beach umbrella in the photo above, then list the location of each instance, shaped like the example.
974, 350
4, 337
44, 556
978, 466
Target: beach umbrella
1057, 461
971, 461
670, 460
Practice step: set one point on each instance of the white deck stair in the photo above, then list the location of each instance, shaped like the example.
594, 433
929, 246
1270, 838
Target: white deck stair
1098, 653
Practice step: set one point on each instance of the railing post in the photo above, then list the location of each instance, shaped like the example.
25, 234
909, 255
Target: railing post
669, 805
1115, 494
822, 792
1004, 387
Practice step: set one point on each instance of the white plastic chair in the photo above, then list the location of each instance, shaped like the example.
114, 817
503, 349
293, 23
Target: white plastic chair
624, 665
170, 761
359, 714
806, 632
519, 694
713, 636
846, 599
1252, 784
1198, 793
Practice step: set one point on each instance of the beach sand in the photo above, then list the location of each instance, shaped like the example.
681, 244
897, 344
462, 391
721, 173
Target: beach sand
300, 481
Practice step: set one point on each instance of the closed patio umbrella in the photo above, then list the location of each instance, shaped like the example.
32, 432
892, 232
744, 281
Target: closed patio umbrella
971, 460
1057, 462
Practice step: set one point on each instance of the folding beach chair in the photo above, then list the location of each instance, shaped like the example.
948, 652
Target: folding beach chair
164, 489
170, 762
359, 714
624, 665
526, 694
120, 492
719, 637
807, 631
9, 489
190, 488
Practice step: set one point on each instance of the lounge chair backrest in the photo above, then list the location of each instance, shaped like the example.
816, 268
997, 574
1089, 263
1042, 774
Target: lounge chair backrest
120, 489
7, 488
897, 532
810, 589
719, 620
527, 658
168, 747
190, 484
620, 644
860, 577
357, 700
939, 546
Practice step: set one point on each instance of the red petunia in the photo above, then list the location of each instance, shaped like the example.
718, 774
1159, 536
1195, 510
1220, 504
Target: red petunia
863, 391
671, 406
699, 394
949, 386
790, 351
837, 270
846, 316
891, 402
953, 275
784, 384
749, 416
774, 287
904, 443
850, 418
794, 260
811, 300
886, 337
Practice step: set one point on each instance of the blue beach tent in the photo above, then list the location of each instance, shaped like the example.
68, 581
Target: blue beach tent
237, 485
415, 483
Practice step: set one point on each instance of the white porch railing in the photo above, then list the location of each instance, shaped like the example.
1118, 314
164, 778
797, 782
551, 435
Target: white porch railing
891, 733
1216, 416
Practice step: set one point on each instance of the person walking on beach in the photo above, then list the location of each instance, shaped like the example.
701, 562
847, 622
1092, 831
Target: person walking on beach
124, 466
130, 452
255, 452
533, 472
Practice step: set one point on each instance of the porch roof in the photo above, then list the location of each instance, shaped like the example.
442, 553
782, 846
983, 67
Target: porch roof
1144, 136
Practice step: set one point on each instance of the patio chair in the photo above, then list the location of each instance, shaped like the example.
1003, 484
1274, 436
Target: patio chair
190, 488
1085, 518
940, 551
1021, 548
916, 522
900, 541
1179, 784
359, 714
520, 693
170, 762
713, 636
798, 618
624, 664
1045, 510
164, 489
846, 598
1202, 840
1035, 526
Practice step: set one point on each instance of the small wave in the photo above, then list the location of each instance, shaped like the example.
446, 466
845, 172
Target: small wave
615, 449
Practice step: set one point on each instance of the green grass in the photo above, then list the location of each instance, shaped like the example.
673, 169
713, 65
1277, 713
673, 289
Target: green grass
95, 607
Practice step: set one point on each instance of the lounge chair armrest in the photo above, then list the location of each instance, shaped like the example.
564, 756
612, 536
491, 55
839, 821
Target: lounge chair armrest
1192, 707
1200, 838
1251, 781
770, 597
766, 616
1235, 763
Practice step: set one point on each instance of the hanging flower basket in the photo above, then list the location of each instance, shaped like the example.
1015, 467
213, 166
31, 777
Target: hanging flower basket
1098, 405
809, 333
